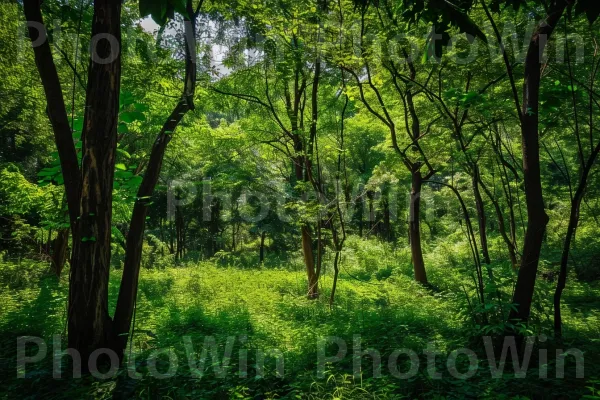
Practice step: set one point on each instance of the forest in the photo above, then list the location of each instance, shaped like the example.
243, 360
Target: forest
299, 199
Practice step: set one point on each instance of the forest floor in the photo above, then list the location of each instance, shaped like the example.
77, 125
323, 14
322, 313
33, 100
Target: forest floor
254, 311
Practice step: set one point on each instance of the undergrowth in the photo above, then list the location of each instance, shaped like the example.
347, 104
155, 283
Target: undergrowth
265, 310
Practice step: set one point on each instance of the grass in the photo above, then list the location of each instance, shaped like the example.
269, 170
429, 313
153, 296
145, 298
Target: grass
263, 309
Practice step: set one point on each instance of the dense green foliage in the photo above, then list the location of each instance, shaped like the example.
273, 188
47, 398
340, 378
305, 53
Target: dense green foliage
381, 169
268, 305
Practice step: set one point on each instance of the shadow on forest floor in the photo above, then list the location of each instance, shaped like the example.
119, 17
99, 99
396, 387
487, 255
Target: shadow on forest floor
253, 311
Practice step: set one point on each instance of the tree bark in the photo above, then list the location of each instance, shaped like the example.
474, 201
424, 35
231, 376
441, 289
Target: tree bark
536, 215
336, 273
307, 249
414, 229
59, 251
135, 236
57, 112
263, 235
89, 324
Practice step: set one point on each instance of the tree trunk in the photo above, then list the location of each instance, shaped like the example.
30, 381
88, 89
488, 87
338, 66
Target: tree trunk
414, 229
573, 222
57, 112
481, 217
338, 244
336, 273
301, 163
263, 235
179, 231
361, 211
214, 227
536, 216
135, 236
309, 262
89, 324
161, 223
504, 178
564, 260
372, 221
502, 227
171, 235
59, 251
48, 246
387, 225
233, 234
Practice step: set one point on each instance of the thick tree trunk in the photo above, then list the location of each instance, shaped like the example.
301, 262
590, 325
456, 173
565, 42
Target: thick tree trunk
300, 164
57, 112
536, 216
89, 324
414, 228
313, 271
481, 217
135, 236
59, 251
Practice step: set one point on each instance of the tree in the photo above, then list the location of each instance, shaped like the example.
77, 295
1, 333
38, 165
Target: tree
528, 111
89, 187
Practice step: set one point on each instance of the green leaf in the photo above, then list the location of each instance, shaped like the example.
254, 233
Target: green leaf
126, 97
121, 174
122, 128
460, 19
121, 167
124, 153
141, 107
130, 116
157, 9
